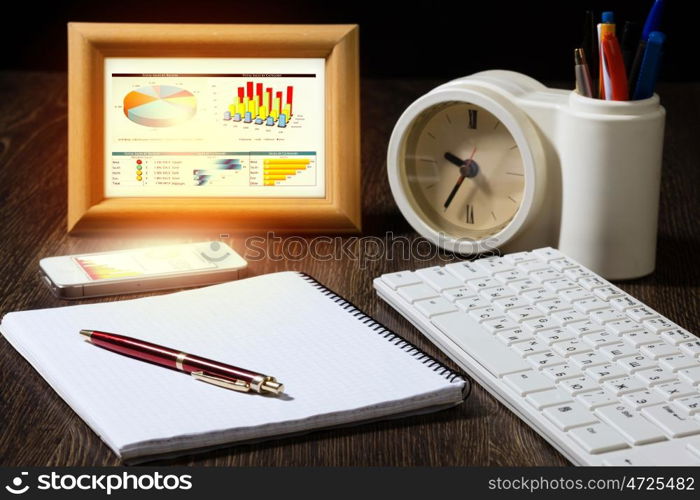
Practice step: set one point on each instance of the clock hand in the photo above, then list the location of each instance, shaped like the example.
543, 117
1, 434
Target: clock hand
454, 191
467, 169
453, 159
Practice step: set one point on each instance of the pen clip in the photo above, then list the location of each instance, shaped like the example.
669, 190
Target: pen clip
226, 383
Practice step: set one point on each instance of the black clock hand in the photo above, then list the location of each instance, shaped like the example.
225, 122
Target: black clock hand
454, 191
453, 159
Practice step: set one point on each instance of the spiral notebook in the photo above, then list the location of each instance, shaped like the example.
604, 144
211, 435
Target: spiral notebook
338, 365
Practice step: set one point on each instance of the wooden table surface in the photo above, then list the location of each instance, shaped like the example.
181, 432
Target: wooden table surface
38, 428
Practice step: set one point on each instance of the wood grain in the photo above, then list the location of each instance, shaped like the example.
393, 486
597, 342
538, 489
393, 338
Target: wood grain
38, 428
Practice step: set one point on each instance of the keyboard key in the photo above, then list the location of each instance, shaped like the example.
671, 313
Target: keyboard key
431, 307
658, 325
499, 325
548, 398
485, 349
605, 372
412, 293
530, 347
598, 339
592, 283
658, 350
498, 292
579, 328
625, 302
640, 337
637, 362
638, 400
472, 303
494, 265
575, 294
602, 316
545, 360
511, 302
517, 258
438, 278
561, 372
510, 276
640, 314
483, 284
691, 349
678, 336
589, 359
689, 405
569, 415
675, 389
655, 376
539, 294
395, 280
608, 292
570, 348
510, 337
587, 306
673, 422
523, 286
539, 324
677, 362
466, 271
598, 438
566, 317
596, 399
555, 335
616, 351
550, 306
545, 275
560, 284
524, 313
575, 386
526, 382
635, 428
532, 266
455, 294
578, 273
622, 326
548, 254
690, 375
562, 264
623, 385
485, 314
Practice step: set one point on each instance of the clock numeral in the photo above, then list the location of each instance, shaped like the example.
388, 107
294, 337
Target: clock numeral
472, 119
470, 214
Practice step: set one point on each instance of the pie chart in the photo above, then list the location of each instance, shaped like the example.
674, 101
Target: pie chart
160, 106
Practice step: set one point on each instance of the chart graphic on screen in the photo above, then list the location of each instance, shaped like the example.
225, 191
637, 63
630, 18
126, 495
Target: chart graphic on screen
214, 127
159, 105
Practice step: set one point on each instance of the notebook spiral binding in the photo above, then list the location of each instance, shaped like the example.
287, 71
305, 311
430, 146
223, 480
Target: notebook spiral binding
392, 337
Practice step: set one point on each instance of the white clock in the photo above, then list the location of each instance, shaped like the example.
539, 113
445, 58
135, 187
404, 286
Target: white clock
466, 167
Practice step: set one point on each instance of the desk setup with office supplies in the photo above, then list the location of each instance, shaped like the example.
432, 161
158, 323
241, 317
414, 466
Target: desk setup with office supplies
540, 203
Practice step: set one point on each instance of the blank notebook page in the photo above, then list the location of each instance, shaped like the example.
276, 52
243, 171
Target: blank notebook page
337, 365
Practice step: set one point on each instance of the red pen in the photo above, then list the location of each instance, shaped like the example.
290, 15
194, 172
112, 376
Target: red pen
206, 370
615, 63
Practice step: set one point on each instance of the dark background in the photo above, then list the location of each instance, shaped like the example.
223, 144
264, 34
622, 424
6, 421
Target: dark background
442, 39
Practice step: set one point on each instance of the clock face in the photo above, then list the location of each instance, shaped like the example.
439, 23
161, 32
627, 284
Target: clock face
464, 170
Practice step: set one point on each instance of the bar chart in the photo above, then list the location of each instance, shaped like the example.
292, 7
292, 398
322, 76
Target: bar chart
261, 105
281, 169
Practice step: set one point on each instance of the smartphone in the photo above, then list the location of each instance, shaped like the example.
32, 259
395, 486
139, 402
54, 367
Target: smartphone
141, 270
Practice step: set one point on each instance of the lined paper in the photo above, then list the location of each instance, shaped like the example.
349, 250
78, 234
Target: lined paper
336, 369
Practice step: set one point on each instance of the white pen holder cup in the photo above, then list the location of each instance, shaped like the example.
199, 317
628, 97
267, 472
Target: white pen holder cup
610, 156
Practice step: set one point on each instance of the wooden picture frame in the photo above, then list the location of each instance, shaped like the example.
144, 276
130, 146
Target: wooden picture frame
89, 211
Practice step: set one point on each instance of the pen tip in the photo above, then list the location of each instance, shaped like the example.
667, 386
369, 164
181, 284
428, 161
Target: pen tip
87, 333
271, 385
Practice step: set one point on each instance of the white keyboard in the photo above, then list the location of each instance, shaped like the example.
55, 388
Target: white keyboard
601, 376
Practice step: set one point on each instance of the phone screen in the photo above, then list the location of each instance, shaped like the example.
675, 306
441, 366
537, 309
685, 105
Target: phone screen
142, 262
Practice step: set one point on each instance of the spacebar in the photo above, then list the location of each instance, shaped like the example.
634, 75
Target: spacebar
479, 344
